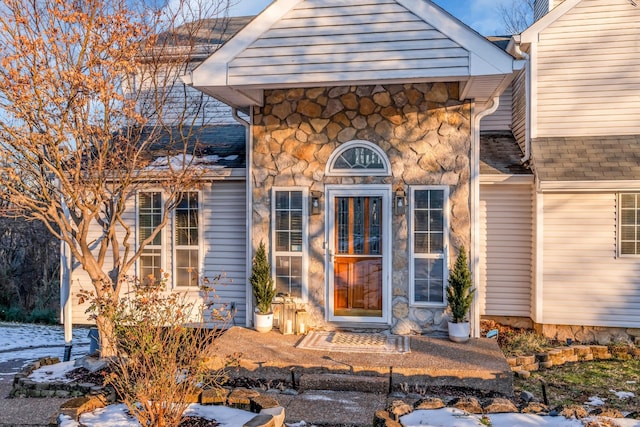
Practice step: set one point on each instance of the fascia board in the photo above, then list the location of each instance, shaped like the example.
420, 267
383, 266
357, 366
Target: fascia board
460, 33
530, 35
214, 70
588, 186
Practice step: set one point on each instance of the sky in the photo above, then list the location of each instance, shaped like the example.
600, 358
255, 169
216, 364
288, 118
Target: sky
481, 15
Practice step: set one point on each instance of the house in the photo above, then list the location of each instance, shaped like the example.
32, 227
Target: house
385, 135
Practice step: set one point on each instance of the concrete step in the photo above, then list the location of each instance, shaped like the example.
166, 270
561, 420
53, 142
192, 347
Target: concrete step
344, 382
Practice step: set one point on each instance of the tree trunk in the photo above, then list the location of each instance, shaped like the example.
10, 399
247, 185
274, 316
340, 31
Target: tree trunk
108, 347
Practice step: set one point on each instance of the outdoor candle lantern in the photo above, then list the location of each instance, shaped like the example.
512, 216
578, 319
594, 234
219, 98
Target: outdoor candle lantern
276, 308
314, 202
288, 316
400, 202
301, 322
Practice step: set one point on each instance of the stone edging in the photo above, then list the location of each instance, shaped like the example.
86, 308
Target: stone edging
523, 365
390, 416
267, 409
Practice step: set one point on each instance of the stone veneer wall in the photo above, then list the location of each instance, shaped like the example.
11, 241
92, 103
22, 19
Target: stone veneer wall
424, 130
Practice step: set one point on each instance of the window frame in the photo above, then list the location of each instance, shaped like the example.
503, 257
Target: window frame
636, 253
305, 239
163, 237
335, 155
200, 245
445, 245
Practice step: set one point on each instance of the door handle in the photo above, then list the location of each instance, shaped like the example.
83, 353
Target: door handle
331, 257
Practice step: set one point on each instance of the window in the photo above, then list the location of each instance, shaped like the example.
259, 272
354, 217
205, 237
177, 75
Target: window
289, 241
358, 158
149, 217
630, 224
429, 243
187, 240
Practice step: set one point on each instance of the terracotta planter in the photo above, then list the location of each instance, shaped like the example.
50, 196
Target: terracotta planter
263, 322
459, 332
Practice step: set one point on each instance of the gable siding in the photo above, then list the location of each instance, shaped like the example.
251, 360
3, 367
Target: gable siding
335, 39
587, 71
584, 283
540, 8
501, 119
506, 249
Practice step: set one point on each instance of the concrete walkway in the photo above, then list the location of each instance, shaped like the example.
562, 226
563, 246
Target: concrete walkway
478, 364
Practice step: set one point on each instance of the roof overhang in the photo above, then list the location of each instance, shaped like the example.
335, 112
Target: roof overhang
488, 72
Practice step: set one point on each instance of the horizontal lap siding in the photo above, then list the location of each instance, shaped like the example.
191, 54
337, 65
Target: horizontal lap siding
334, 39
225, 230
519, 112
506, 249
501, 119
587, 66
584, 283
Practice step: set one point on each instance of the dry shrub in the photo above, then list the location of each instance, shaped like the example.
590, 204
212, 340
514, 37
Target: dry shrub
164, 340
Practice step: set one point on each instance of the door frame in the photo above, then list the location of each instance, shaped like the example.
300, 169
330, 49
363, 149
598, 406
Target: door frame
360, 190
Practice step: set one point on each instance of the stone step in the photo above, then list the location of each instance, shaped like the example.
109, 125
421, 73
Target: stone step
344, 382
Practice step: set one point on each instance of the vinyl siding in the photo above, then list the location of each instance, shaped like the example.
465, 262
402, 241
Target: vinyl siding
584, 283
519, 112
541, 8
321, 40
501, 119
224, 233
587, 71
506, 249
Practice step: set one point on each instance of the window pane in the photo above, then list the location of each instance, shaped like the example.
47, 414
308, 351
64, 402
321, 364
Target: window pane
421, 199
296, 200
429, 280
282, 241
436, 245
422, 221
628, 201
421, 243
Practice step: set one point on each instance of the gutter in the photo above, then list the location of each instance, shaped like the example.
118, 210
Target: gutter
249, 203
475, 209
515, 44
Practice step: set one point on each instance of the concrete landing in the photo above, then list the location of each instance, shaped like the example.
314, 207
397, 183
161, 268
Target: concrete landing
432, 362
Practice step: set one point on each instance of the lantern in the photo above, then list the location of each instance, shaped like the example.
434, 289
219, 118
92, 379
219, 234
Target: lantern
301, 322
288, 316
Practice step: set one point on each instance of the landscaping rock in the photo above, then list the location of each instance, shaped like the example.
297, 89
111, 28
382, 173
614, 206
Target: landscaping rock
574, 411
398, 408
536, 408
79, 405
467, 404
261, 420
527, 396
429, 403
383, 419
500, 405
277, 413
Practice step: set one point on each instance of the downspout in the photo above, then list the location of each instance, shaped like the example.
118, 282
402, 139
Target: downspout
527, 96
249, 204
475, 210
66, 302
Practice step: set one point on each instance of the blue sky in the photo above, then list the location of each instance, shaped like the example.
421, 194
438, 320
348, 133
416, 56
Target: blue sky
481, 15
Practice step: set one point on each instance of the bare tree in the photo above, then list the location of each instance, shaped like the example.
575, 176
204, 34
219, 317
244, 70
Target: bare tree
87, 101
517, 15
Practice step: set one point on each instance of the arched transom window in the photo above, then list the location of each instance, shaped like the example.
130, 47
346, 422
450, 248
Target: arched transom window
358, 158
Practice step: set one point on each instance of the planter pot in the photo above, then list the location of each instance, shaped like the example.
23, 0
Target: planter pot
459, 332
263, 322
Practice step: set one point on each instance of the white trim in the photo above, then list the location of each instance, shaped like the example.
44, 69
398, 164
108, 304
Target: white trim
330, 170
619, 253
538, 297
531, 101
445, 244
384, 191
531, 34
304, 253
249, 221
589, 186
174, 246
506, 179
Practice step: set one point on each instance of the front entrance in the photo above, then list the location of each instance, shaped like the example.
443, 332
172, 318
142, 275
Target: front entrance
358, 221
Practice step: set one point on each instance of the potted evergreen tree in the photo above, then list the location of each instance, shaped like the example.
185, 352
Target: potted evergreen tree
263, 290
460, 297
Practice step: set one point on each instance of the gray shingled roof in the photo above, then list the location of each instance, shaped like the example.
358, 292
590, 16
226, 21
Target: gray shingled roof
227, 142
500, 154
595, 158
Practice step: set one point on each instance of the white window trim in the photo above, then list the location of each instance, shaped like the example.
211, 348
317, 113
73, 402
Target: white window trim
619, 226
163, 235
445, 243
331, 171
174, 246
305, 238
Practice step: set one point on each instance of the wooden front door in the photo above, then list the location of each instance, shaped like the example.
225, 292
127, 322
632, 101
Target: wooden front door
358, 258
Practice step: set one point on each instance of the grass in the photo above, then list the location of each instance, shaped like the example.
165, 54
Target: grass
576, 383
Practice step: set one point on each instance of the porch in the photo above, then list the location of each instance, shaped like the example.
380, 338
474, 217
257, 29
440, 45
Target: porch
431, 362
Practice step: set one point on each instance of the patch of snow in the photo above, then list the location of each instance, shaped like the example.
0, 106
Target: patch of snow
110, 416
622, 395
595, 401
183, 160
55, 372
224, 415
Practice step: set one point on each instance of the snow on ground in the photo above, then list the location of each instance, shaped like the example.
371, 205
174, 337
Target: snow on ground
50, 373
28, 342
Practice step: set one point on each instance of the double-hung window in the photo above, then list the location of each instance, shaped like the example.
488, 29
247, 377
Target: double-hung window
429, 243
289, 228
187, 240
629, 224
149, 218
184, 254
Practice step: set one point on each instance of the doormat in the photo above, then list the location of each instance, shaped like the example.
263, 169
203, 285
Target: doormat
351, 342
